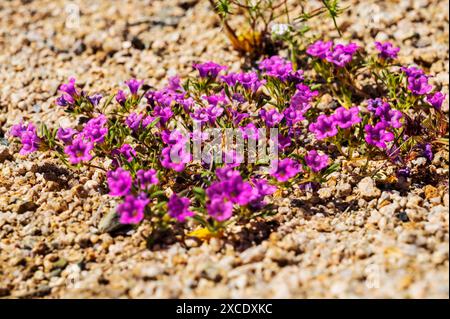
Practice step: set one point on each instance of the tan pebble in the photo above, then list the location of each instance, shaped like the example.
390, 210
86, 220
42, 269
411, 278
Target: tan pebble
430, 192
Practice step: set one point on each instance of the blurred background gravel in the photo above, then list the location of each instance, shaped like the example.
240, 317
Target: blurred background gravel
389, 244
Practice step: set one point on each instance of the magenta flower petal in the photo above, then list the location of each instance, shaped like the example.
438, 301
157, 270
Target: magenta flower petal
119, 182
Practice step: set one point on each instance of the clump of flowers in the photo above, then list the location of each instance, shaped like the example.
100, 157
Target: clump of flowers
167, 154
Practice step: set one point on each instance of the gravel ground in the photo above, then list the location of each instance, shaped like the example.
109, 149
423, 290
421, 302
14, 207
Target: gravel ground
357, 238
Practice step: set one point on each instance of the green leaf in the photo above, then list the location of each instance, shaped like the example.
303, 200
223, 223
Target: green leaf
159, 205
332, 168
107, 102
159, 193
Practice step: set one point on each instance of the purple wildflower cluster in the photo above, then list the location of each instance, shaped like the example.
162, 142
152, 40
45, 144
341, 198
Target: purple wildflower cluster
209, 69
230, 189
327, 126
178, 208
285, 169
386, 119
417, 81
78, 145
387, 50
315, 161
70, 93
148, 140
28, 137
279, 68
132, 209
176, 154
121, 184
248, 80
340, 55
137, 121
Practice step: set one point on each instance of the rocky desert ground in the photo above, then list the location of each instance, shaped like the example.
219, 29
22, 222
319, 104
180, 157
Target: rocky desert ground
358, 238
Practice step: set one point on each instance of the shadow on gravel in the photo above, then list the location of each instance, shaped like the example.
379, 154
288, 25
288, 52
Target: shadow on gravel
54, 173
252, 234
317, 205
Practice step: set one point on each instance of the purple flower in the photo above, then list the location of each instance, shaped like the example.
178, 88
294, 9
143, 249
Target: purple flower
389, 116
213, 113
324, 127
164, 114
436, 99
220, 208
412, 71
95, 99
178, 208
319, 49
119, 182
64, 100
200, 115
131, 211
126, 151
238, 117
230, 186
315, 161
216, 99
69, 88
198, 136
209, 69
79, 150
121, 97
147, 178
100, 120
225, 173
186, 103
271, 117
428, 151
346, 118
175, 157
419, 85
263, 187
230, 79
135, 121
275, 66
134, 85
250, 131
279, 68
18, 129
29, 139
66, 135
95, 133
284, 142
342, 54
95, 129
163, 98
174, 84
377, 135
285, 169
238, 191
374, 104
173, 137
250, 81
238, 97
387, 50
293, 115
295, 76
303, 96
70, 93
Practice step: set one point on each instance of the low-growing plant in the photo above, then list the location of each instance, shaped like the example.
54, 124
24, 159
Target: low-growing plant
169, 155
266, 24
